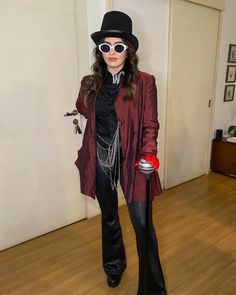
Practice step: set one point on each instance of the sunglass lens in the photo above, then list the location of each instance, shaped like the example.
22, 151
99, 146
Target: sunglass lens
105, 48
119, 48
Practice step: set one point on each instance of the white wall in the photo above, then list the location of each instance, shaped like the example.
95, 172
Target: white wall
95, 12
151, 26
225, 112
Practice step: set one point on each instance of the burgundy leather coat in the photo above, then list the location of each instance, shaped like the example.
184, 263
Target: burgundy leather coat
138, 134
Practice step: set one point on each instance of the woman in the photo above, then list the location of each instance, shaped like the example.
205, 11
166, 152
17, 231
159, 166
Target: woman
120, 103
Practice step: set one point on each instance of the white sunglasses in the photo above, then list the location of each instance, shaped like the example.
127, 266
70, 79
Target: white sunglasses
105, 47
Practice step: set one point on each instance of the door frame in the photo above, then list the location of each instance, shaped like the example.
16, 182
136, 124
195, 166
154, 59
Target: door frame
217, 4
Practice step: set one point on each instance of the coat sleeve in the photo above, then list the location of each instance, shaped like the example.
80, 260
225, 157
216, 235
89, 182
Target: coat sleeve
80, 106
150, 124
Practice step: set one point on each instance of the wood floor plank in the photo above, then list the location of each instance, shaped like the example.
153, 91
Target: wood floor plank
196, 229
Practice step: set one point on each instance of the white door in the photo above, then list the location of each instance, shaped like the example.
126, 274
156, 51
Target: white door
192, 59
39, 183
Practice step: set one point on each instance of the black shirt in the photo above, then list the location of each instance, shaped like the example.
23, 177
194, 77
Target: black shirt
106, 120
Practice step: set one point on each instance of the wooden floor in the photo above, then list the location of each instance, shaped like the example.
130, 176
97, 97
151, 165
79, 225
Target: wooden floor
196, 227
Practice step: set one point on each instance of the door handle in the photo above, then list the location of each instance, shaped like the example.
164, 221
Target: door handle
73, 113
75, 121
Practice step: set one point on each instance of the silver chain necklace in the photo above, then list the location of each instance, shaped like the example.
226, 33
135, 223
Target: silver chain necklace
109, 157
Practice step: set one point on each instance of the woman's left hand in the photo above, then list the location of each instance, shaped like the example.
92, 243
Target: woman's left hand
151, 159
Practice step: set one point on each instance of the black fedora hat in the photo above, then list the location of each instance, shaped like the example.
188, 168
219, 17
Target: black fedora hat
116, 24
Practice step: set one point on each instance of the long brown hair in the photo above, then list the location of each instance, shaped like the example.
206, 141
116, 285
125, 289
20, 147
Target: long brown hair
128, 82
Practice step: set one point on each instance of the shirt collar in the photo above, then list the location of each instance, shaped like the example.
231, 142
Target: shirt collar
115, 79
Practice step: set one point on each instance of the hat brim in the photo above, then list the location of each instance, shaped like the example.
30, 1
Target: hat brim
97, 36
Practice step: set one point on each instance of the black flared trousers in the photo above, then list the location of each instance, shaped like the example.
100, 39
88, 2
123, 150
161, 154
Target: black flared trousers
113, 251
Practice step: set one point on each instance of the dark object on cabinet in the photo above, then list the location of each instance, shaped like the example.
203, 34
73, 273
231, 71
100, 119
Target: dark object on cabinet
223, 157
219, 133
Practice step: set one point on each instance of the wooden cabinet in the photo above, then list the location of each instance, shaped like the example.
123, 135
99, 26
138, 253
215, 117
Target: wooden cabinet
223, 157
